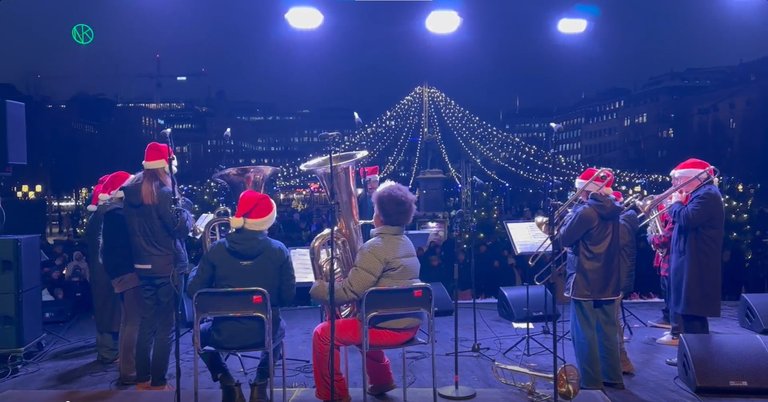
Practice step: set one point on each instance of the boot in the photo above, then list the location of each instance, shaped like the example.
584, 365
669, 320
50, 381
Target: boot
259, 391
232, 393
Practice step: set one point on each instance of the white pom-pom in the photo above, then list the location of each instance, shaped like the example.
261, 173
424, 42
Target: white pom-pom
236, 223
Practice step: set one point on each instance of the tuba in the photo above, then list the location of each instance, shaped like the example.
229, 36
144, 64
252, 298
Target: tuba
238, 179
347, 237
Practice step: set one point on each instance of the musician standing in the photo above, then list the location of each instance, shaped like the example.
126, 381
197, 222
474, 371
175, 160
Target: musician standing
697, 242
628, 261
156, 229
591, 232
247, 257
370, 177
660, 243
388, 259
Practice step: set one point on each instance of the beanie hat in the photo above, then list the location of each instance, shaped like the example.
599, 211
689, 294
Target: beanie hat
602, 183
255, 211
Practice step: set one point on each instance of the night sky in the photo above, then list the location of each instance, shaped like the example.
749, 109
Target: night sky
367, 55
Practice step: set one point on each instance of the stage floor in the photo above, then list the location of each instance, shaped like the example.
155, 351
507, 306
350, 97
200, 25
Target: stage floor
67, 370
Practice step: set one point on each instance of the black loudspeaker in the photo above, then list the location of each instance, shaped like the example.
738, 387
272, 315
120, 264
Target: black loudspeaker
512, 304
13, 133
443, 301
21, 316
753, 312
710, 363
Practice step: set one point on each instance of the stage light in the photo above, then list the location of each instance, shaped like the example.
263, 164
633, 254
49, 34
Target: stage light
304, 18
572, 26
443, 22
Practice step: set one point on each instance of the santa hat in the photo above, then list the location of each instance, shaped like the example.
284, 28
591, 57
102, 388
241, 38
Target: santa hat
692, 167
617, 196
156, 156
602, 183
111, 187
369, 173
255, 211
93, 206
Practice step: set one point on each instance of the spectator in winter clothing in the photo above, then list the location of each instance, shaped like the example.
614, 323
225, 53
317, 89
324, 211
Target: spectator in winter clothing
245, 258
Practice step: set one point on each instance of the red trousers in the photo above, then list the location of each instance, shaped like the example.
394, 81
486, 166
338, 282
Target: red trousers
349, 332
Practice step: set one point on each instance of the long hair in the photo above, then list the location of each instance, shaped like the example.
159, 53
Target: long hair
152, 180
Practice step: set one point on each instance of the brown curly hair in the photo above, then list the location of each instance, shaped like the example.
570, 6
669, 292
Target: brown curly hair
395, 204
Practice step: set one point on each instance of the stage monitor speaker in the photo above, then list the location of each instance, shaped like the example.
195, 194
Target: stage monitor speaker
443, 301
13, 133
753, 312
710, 363
21, 312
517, 304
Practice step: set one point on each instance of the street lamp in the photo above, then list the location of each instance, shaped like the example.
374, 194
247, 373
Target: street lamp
304, 18
443, 22
572, 26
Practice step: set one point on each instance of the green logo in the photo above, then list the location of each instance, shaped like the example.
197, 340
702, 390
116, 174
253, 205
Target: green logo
82, 34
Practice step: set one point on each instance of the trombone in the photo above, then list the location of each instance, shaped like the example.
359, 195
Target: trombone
566, 381
650, 208
542, 222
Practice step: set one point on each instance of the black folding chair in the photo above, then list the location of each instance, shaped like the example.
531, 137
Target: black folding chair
399, 302
239, 302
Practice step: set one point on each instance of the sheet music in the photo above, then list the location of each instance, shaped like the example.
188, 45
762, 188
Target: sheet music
302, 266
526, 237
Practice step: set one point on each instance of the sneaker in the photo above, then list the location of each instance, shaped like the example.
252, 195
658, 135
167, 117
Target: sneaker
669, 340
143, 386
382, 389
660, 324
671, 362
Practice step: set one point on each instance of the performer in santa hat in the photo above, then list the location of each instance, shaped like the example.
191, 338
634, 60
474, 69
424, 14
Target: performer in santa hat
695, 251
247, 257
370, 177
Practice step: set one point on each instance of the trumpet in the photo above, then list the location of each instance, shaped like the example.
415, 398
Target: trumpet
566, 381
650, 208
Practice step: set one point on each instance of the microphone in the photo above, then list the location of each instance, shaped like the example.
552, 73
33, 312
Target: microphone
326, 136
166, 133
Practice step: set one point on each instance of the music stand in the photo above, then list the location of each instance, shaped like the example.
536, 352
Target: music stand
527, 239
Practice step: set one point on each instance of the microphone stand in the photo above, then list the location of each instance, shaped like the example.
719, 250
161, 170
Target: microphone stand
555, 252
179, 289
456, 391
332, 271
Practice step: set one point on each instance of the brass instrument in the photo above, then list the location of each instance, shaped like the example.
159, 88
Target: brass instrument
238, 179
567, 382
542, 222
347, 237
650, 207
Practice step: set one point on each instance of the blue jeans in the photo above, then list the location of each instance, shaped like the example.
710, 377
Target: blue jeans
594, 329
157, 318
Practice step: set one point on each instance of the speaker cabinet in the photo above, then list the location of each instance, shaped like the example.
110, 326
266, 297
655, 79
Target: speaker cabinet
21, 317
526, 304
709, 363
753, 312
443, 301
13, 133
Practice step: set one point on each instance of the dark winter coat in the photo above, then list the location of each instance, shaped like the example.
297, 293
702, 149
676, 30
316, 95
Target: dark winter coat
695, 253
106, 304
246, 258
116, 252
591, 232
156, 231
628, 257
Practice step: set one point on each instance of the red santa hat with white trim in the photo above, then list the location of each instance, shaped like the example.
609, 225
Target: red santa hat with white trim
93, 206
603, 183
369, 173
112, 187
692, 167
617, 196
255, 211
156, 156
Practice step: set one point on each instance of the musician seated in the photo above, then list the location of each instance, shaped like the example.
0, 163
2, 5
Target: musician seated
388, 259
247, 257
